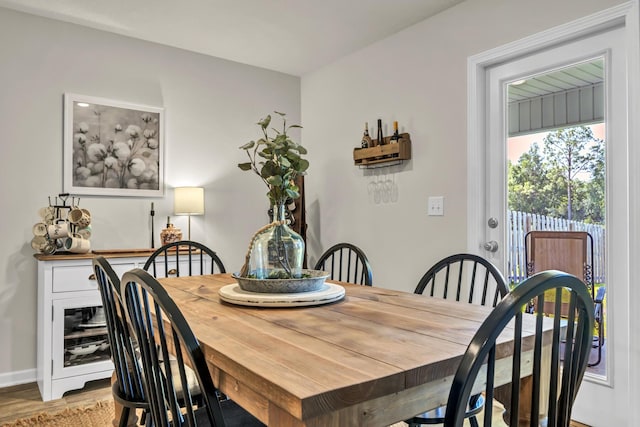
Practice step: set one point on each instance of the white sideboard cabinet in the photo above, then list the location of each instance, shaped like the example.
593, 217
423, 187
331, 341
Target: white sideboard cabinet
73, 346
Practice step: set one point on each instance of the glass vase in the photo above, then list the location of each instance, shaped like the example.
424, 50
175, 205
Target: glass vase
277, 251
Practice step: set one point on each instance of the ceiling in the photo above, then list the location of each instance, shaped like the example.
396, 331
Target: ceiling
579, 75
290, 36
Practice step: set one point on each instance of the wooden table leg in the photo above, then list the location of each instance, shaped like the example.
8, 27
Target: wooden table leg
503, 395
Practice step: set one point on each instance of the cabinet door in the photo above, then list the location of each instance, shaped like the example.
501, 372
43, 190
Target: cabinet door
80, 343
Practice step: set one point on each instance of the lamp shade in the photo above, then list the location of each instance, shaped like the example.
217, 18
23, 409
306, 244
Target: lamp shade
188, 201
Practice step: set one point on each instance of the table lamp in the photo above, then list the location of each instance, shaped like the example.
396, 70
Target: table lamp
188, 201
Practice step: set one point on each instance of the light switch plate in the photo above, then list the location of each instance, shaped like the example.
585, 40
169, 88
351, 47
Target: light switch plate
435, 206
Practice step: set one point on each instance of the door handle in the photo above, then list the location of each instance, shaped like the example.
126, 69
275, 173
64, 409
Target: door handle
491, 246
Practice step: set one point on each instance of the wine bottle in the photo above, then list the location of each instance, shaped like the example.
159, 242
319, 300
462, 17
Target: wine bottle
380, 136
366, 139
395, 137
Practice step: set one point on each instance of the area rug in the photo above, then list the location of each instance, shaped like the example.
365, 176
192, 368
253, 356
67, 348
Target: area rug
99, 415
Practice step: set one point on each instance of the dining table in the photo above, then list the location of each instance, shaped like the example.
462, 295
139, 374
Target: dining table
372, 358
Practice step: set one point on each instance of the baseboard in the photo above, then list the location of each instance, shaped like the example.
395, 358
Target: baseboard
8, 379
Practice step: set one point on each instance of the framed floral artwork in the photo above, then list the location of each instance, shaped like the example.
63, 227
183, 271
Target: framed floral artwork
112, 148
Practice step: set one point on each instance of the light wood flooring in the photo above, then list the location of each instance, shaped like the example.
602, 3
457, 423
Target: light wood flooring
24, 400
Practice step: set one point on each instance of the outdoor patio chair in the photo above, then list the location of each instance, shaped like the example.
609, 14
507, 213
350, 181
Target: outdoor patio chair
568, 251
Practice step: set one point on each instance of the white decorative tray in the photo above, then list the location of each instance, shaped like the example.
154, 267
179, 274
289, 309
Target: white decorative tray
233, 294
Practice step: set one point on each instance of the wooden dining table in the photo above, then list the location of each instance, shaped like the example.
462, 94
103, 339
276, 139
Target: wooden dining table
373, 358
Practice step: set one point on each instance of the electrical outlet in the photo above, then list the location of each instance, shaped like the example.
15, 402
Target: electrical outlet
435, 206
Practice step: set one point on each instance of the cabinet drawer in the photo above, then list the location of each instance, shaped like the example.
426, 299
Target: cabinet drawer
75, 278
81, 277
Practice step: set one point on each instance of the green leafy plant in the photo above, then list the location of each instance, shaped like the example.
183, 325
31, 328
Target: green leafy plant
277, 160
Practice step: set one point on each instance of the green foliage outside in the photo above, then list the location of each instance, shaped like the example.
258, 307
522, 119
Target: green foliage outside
565, 178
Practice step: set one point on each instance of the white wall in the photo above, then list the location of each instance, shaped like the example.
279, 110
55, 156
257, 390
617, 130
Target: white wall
417, 77
211, 106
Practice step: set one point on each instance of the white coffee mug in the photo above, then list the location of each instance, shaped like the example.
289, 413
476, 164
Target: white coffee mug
46, 212
38, 242
77, 244
40, 229
85, 233
43, 245
49, 248
79, 217
58, 230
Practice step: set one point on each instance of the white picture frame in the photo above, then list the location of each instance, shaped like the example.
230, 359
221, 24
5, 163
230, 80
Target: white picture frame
112, 148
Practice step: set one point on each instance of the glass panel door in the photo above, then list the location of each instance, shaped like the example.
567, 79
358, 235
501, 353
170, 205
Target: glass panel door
80, 341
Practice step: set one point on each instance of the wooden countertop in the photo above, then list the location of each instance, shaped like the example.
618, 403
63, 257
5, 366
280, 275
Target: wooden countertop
107, 253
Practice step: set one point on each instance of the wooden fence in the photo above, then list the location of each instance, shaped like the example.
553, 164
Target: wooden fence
520, 223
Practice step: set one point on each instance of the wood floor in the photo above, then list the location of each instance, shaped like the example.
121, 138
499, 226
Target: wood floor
23, 401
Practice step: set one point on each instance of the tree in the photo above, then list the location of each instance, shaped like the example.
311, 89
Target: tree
565, 180
528, 183
568, 152
595, 191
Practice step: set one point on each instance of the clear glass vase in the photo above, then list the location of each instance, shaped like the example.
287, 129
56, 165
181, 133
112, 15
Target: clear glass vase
278, 251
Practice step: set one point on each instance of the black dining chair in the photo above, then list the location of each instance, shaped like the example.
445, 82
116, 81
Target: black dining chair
127, 390
465, 277
468, 278
162, 331
566, 345
183, 258
347, 263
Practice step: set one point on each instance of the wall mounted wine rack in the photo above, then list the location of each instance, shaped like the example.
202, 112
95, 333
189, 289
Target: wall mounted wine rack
384, 155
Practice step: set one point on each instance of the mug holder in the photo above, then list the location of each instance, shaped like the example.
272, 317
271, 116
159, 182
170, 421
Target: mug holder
61, 212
